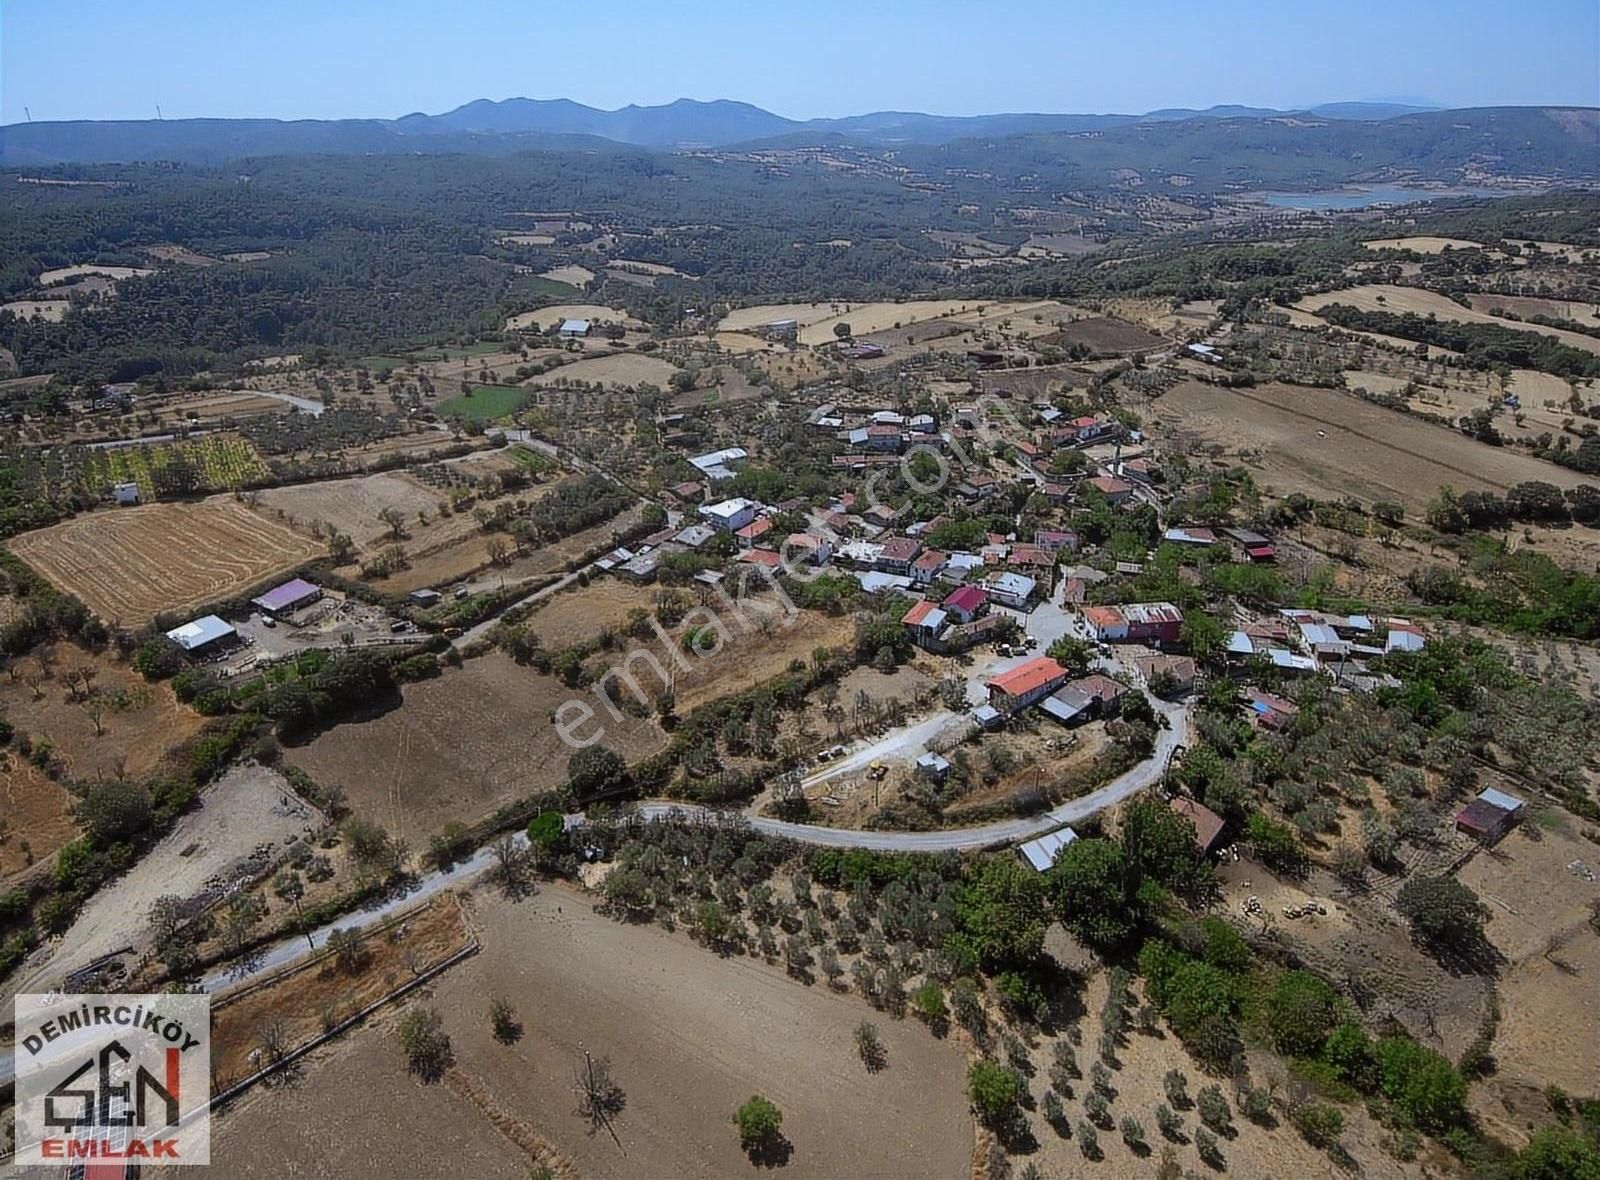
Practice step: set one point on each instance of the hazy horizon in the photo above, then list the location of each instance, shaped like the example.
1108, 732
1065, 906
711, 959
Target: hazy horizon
295, 59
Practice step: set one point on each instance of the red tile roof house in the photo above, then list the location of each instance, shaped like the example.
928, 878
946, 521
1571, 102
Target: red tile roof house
1208, 824
898, 554
806, 547
1033, 557
753, 532
1056, 493
927, 566
764, 557
1055, 540
925, 621
1026, 683
884, 438
966, 603
1116, 490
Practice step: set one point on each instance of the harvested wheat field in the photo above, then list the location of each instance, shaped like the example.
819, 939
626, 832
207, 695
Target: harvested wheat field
624, 368
462, 745
1401, 300
1422, 244
130, 564
1330, 444
753, 657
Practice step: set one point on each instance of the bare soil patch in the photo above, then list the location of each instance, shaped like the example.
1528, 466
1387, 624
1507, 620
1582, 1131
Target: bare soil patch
352, 505
139, 722
248, 810
1330, 444
61, 274
579, 615
129, 564
690, 1036
314, 993
576, 276
623, 368
1103, 334
38, 812
460, 746
1529, 305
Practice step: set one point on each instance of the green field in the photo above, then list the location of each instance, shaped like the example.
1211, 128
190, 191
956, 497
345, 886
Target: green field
485, 403
531, 461
220, 465
455, 352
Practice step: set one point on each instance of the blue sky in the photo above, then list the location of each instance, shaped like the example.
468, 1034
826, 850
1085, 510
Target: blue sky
67, 59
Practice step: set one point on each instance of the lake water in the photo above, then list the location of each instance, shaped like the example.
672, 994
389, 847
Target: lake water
1361, 198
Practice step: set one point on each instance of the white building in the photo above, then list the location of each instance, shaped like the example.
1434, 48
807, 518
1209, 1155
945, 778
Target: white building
573, 329
125, 493
1013, 590
202, 634
730, 515
1043, 852
719, 465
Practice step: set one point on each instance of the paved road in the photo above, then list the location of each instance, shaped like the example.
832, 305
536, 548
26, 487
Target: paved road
992, 835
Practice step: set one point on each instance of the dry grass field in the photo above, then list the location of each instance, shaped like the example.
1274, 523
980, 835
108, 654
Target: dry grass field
138, 721
752, 657
462, 745
1422, 244
302, 994
690, 1036
593, 312
38, 813
1400, 300
352, 505
578, 615
527, 239
207, 408
1330, 444
574, 276
1546, 990
620, 369
130, 564
1528, 305
61, 274
51, 311
1105, 335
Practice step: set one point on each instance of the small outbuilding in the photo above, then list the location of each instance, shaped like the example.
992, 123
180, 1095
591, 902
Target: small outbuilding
1043, 852
1489, 816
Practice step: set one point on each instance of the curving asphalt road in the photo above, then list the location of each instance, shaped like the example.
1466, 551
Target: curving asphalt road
992, 835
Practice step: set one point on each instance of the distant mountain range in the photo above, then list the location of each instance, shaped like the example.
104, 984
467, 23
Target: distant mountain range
487, 127
686, 123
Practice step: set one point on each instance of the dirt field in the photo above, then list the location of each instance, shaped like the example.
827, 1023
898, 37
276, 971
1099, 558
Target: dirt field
1102, 334
624, 368
51, 311
1422, 244
1399, 300
38, 815
462, 745
181, 255
303, 994
140, 721
209, 407
50, 278
247, 808
575, 276
352, 505
1528, 305
752, 658
578, 615
690, 1036
817, 320
1330, 444
128, 564
315, 1129
1532, 895
659, 1008
528, 239
546, 316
